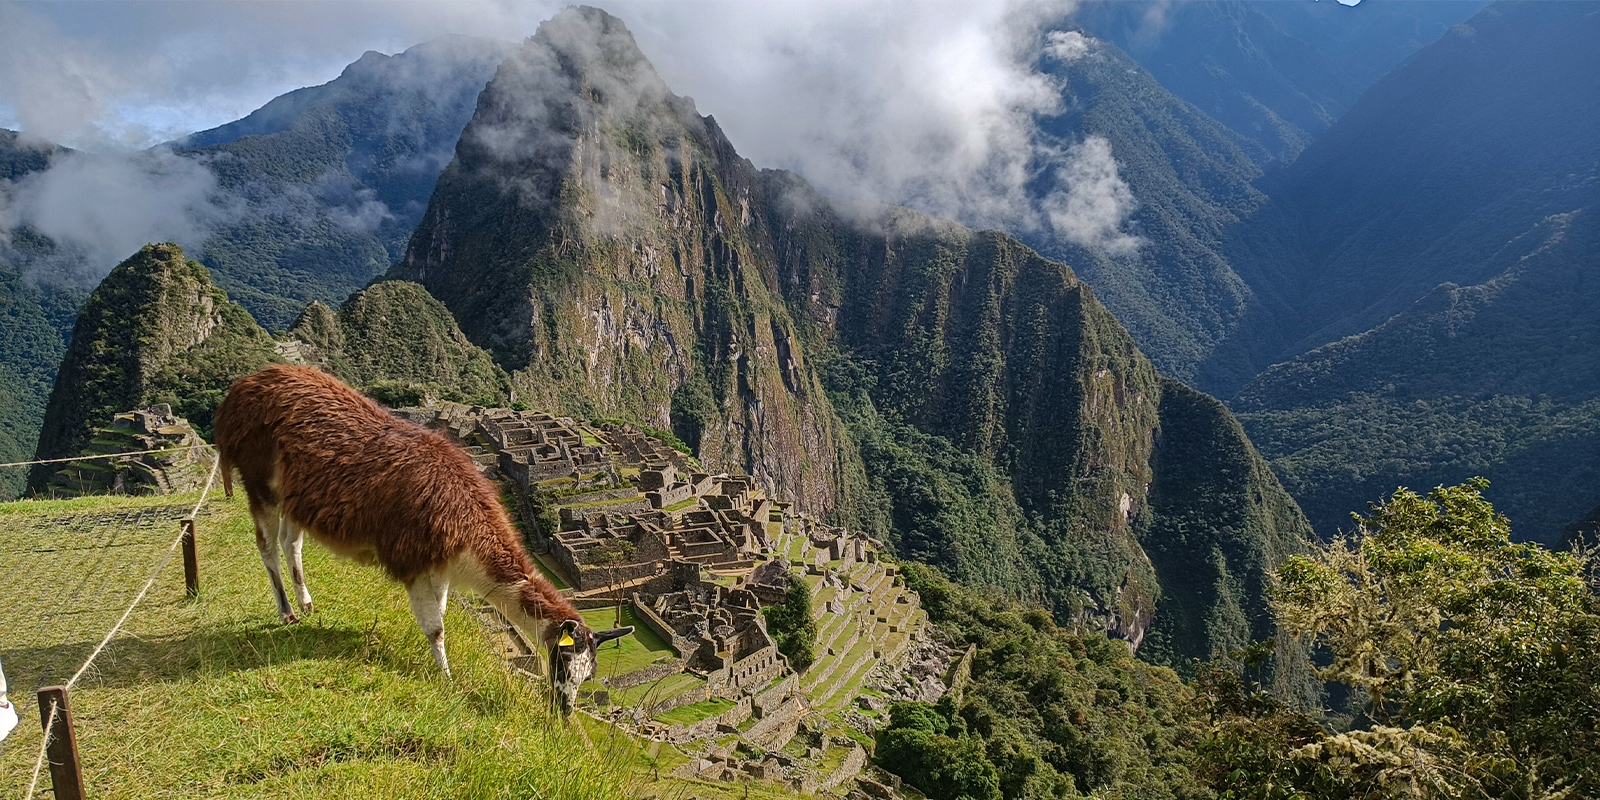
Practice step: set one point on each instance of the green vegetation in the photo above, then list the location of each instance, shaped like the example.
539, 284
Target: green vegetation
402, 347
1471, 662
155, 331
929, 746
793, 626
214, 697
1050, 712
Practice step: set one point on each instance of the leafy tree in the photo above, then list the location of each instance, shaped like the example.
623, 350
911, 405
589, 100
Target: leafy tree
934, 752
1475, 655
792, 625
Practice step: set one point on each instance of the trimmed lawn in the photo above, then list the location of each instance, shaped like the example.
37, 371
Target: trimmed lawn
690, 714
635, 651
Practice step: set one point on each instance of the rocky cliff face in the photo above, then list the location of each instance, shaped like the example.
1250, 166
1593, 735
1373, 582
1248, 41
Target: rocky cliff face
156, 330
950, 390
1115, 474
597, 235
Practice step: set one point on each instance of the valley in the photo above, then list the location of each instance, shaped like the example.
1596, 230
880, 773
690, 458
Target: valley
1048, 499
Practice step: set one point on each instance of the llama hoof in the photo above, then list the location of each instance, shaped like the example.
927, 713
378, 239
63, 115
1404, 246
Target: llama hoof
289, 618
308, 609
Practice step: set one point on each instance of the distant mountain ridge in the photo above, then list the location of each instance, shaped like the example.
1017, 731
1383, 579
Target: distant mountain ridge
1424, 277
335, 177
1276, 73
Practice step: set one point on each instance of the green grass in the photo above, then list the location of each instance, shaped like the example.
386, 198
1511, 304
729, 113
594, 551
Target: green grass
682, 504
615, 501
214, 697
694, 712
656, 691
635, 651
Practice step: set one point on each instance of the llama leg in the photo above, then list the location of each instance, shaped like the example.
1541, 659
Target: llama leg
428, 595
268, 546
293, 537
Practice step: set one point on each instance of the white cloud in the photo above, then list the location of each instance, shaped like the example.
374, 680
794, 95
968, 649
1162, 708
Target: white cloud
1096, 203
105, 207
927, 103
1066, 46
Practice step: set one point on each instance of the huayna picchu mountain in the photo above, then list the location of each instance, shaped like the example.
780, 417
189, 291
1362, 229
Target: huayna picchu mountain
948, 389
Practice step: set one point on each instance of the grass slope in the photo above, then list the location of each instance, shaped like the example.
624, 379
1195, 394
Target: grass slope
215, 698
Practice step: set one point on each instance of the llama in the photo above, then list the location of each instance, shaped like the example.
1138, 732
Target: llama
317, 457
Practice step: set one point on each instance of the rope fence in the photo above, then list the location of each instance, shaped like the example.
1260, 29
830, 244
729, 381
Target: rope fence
66, 776
103, 455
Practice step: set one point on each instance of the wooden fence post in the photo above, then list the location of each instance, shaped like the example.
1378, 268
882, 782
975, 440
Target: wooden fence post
65, 774
191, 561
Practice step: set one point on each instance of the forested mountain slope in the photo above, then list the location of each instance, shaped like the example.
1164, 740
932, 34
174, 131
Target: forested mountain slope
156, 330
1453, 213
30, 345
1276, 73
1187, 179
1501, 379
1470, 144
333, 178
950, 390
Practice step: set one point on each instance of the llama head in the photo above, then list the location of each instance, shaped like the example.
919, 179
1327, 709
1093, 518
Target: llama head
573, 659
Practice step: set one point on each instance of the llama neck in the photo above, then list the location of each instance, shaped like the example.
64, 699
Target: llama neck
524, 597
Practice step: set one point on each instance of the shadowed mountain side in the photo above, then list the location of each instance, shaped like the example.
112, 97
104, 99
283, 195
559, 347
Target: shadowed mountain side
1499, 379
1217, 525
1276, 73
1463, 148
334, 178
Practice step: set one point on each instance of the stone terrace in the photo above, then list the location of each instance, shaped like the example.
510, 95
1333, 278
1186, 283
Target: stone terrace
704, 553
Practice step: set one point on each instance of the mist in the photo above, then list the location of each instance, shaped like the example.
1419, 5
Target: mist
926, 104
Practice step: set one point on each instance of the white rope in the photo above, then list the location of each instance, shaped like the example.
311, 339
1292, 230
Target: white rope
102, 455
171, 548
44, 747
50, 725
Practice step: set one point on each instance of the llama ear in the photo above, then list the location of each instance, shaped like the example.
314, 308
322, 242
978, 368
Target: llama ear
614, 633
567, 629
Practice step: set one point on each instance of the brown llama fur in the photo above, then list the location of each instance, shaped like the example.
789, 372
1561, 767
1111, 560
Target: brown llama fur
316, 456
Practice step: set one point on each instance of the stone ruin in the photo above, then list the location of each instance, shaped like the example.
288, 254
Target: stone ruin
704, 553
98, 470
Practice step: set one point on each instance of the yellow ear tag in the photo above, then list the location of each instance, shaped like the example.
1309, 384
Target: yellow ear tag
566, 640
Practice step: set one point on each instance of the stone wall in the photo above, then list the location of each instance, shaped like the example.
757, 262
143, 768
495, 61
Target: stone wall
776, 727
766, 702
639, 677
648, 617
